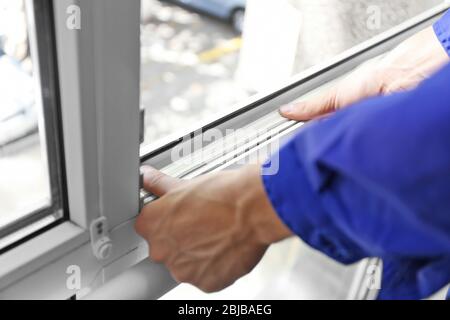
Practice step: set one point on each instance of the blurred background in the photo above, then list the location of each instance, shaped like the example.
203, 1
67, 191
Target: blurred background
201, 57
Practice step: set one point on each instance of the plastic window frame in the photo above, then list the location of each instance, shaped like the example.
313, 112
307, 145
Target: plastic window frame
99, 68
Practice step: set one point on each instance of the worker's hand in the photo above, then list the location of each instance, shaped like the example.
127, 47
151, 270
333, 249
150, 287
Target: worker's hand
401, 69
212, 230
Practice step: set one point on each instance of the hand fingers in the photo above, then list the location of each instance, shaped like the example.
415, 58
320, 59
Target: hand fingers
149, 218
309, 109
157, 182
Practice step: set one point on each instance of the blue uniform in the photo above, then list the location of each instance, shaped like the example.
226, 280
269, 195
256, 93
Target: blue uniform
373, 180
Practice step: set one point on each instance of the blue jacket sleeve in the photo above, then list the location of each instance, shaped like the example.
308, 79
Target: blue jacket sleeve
442, 30
373, 180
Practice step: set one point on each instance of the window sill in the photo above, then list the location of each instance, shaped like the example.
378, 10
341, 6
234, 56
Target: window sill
39, 268
36, 253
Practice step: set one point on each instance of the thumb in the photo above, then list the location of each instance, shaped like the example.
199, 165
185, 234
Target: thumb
314, 107
157, 182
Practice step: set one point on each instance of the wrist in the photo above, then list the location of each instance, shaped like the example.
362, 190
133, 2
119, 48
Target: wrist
255, 205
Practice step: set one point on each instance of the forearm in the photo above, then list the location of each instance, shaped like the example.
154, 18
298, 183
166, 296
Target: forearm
251, 198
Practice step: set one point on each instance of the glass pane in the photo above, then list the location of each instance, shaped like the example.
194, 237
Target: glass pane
197, 63
24, 179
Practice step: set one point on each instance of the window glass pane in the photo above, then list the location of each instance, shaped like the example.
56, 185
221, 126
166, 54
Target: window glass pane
197, 64
24, 179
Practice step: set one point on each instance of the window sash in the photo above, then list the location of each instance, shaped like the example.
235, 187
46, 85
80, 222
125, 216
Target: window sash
99, 70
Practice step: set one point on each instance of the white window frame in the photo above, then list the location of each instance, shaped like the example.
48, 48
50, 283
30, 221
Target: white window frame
99, 77
99, 68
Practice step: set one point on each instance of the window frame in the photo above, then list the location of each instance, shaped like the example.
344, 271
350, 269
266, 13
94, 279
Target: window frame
99, 97
100, 115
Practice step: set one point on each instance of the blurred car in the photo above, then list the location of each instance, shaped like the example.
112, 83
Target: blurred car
230, 10
18, 117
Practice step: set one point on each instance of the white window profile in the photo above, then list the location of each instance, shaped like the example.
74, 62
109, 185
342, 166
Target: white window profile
98, 69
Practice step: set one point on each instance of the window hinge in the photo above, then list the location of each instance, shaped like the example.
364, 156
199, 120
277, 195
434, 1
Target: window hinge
100, 241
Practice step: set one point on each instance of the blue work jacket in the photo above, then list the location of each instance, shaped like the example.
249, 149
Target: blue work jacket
373, 180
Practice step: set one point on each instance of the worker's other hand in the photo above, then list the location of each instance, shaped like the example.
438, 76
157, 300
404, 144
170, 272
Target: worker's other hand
403, 68
212, 230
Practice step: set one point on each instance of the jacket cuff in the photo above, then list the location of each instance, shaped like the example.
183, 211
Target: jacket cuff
442, 30
299, 207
